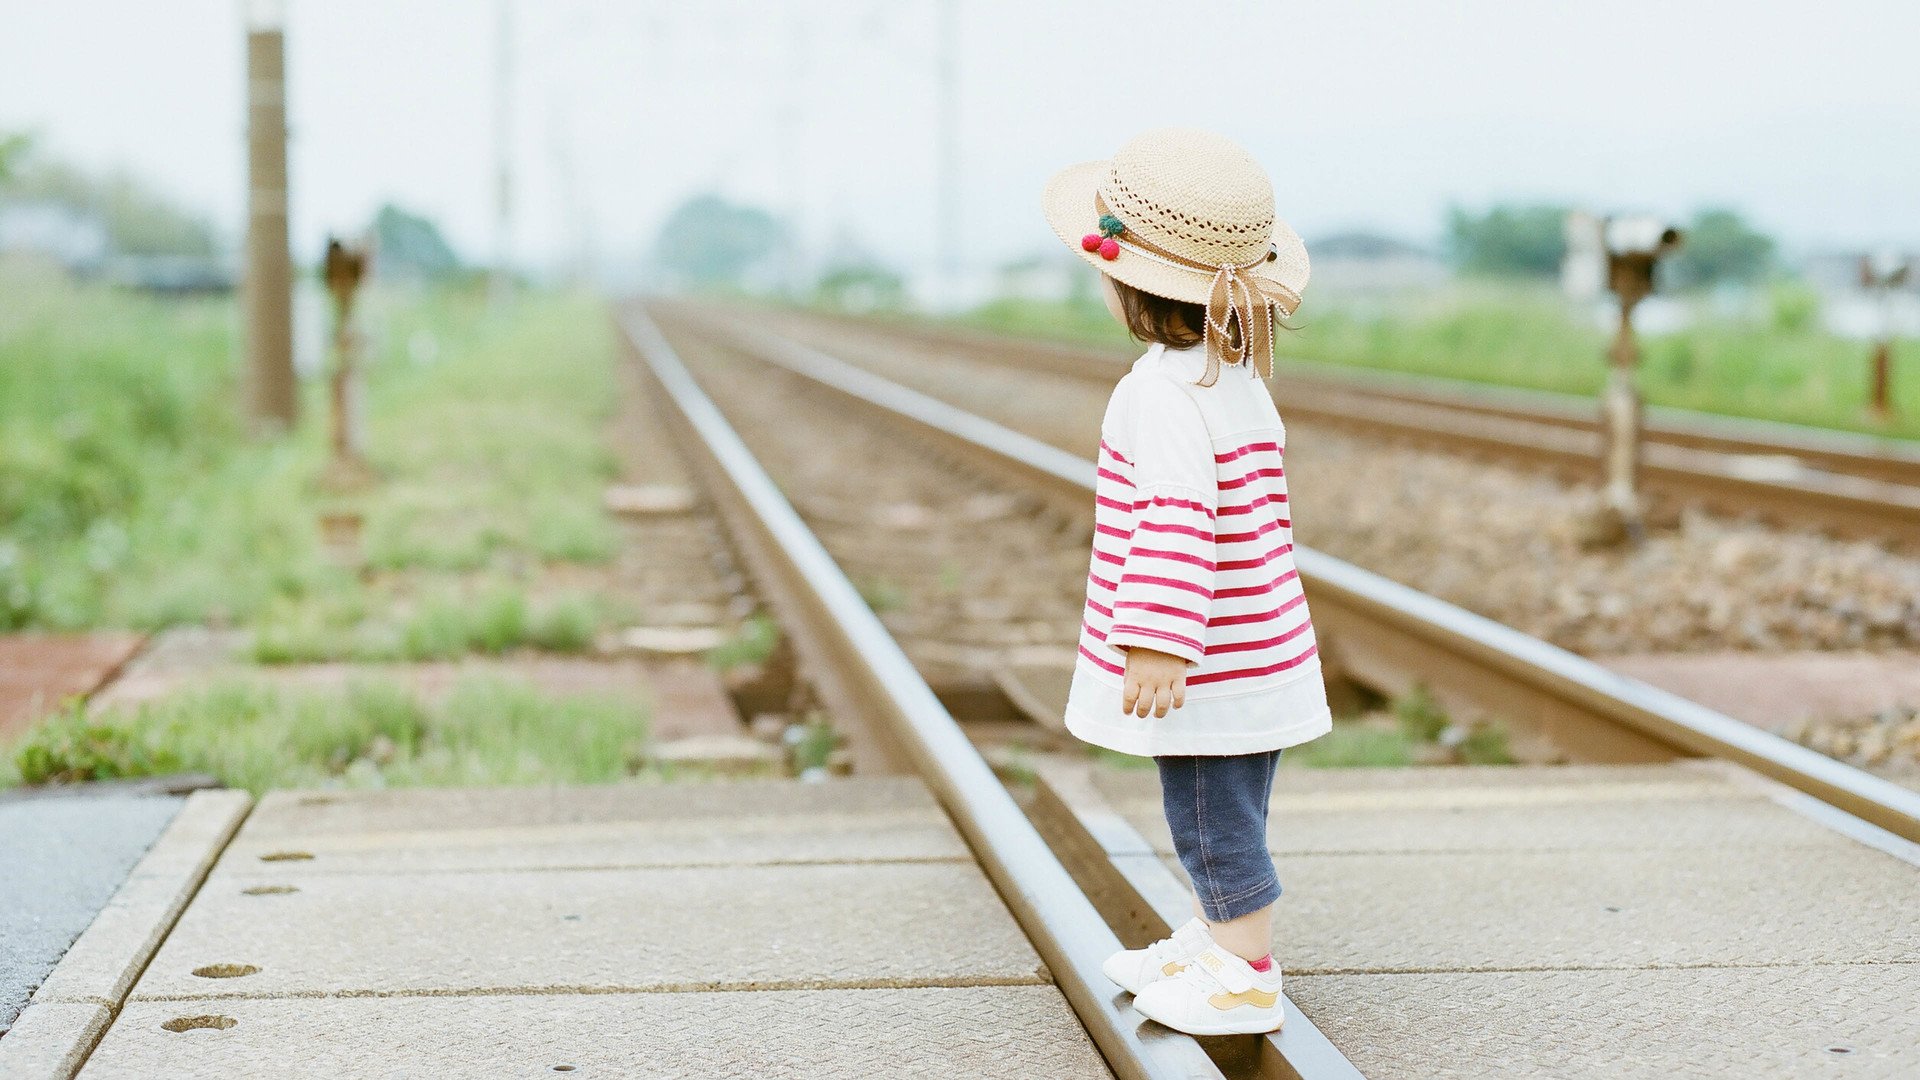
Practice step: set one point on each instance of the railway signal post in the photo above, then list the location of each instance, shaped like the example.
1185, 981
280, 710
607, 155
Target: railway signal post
344, 270
1633, 248
1880, 274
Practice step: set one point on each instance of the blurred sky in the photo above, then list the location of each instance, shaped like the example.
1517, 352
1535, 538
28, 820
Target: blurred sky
1374, 113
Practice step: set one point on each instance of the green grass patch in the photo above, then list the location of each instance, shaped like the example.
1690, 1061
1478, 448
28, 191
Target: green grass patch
373, 733
445, 625
1774, 363
753, 643
130, 494
1355, 745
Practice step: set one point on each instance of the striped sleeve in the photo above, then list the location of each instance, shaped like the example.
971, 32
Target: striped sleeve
1166, 583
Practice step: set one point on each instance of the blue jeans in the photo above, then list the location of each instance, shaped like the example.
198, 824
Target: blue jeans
1217, 809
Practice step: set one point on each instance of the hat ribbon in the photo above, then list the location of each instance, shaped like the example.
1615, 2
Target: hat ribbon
1237, 296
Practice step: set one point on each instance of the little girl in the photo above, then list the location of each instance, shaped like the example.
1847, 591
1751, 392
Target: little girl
1196, 649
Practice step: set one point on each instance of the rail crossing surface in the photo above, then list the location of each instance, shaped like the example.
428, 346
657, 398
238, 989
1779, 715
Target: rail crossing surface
1684, 920
771, 929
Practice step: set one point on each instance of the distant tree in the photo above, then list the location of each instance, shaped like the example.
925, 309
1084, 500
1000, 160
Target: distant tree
861, 285
408, 245
1508, 241
709, 241
137, 220
1721, 248
13, 150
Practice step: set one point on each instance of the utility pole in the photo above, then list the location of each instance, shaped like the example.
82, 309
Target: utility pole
266, 296
952, 228
791, 144
500, 283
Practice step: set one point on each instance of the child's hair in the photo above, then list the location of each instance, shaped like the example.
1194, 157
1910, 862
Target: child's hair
1173, 323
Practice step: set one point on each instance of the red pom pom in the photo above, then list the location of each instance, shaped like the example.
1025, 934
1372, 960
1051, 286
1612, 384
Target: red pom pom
1109, 249
1090, 242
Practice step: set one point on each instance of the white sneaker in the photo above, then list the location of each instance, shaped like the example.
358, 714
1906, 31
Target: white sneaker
1135, 969
1216, 994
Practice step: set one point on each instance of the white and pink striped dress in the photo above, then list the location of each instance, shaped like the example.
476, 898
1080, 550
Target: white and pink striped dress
1193, 556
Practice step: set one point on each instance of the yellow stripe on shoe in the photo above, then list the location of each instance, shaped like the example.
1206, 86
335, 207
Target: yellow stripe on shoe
1260, 999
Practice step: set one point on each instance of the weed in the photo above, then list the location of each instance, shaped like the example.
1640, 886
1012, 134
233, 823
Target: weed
1484, 744
812, 743
1119, 760
882, 595
1421, 717
567, 625
753, 643
1353, 745
70, 746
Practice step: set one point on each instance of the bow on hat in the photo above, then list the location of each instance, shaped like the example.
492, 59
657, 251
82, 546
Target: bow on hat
1243, 301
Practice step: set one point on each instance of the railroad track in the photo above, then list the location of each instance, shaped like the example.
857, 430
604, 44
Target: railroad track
896, 724
1380, 632
1855, 485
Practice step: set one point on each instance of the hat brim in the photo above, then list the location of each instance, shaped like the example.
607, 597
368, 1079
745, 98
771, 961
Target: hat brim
1069, 206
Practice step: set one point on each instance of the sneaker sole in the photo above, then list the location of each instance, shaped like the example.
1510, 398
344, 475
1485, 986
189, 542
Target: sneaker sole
1247, 1027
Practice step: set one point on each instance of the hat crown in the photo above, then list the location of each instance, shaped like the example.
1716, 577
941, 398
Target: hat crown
1194, 193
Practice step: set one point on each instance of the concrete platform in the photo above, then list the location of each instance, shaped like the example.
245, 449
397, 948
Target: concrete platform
584, 828
932, 1033
736, 929
1849, 1021
1660, 921
673, 928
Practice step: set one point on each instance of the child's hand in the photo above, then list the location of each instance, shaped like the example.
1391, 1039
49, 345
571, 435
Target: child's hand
1156, 682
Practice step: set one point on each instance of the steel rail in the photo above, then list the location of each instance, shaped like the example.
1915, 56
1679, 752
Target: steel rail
1491, 662
1062, 923
1856, 485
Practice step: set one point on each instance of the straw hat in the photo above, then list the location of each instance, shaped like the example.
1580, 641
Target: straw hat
1188, 215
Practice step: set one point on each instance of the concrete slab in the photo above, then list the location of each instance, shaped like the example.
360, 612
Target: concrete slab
1524, 910
865, 820
1421, 786
685, 928
929, 1033
100, 967
1630, 810
1636, 825
63, 859
1852, 1022
48, 1042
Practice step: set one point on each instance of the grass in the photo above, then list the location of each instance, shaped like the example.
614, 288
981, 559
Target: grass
1774, 364
753, 643
130, 496
374, 733
446, 625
